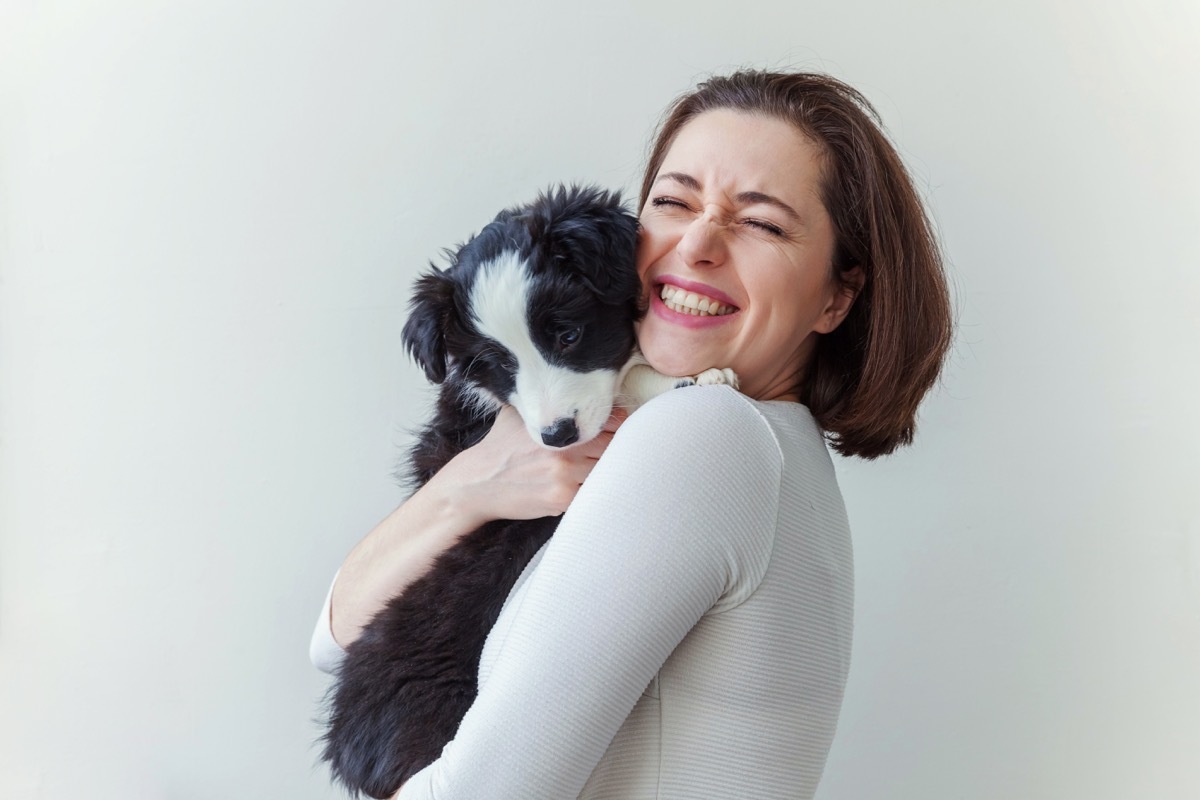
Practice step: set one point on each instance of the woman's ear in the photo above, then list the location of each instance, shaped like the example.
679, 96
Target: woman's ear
429, 317
849, 284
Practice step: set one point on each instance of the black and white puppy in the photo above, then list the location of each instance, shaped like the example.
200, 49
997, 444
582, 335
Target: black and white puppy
536, 311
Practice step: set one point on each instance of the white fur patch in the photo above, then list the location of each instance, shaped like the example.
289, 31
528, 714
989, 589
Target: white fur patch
544, 393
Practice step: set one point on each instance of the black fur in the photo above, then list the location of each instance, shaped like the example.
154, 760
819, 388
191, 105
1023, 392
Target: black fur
408, 680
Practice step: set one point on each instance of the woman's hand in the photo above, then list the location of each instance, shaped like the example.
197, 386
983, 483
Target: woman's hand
505, 476
509, 476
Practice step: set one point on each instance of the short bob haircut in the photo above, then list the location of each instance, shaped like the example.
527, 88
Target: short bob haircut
868, 376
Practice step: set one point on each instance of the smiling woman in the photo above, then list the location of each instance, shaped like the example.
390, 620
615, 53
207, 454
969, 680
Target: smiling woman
686, 632
735, 220
865, 374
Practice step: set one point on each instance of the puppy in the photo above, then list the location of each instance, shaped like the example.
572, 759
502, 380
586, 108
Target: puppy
536, 311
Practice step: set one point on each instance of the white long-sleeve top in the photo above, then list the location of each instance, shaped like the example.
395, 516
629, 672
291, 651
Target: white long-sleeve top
686, 631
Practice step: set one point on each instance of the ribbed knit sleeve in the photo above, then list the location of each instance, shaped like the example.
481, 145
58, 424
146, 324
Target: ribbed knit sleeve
323, 650
675, 522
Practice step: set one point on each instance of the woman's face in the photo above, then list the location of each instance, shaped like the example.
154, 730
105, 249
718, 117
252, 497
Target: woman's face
736, 252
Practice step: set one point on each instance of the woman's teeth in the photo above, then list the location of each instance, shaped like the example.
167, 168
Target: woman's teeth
697, 305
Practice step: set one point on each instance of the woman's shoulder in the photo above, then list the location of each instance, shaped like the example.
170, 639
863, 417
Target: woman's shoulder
701, 403
713, 428
726, 435
720, 413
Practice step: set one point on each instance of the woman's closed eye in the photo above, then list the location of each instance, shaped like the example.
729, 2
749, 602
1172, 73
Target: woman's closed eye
763, 225
660, 202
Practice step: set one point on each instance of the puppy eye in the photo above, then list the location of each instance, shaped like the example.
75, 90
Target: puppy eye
569, 338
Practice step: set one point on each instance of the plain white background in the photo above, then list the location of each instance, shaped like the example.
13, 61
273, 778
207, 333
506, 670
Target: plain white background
211, 216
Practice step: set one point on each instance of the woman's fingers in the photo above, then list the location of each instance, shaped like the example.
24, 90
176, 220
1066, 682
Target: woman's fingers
618, 416
510, 476
595, 447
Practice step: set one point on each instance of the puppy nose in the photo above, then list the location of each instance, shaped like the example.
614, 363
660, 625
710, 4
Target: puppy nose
562, 433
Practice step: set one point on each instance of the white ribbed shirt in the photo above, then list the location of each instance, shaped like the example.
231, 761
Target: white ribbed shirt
686, 631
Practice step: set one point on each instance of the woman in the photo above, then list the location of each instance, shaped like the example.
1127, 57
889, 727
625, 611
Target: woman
686, 633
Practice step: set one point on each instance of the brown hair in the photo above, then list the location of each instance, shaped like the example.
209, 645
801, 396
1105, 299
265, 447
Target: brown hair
868, 376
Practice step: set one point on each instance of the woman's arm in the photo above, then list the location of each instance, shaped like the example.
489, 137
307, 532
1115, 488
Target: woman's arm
505, 476
680, 511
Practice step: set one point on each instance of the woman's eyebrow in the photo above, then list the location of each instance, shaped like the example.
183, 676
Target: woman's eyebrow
745, 198
680, 177
750, 198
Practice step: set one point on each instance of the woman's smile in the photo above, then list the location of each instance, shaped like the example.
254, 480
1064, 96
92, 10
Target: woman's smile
690, 303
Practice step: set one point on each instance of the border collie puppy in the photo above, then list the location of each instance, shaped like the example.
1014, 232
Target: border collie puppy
537, 311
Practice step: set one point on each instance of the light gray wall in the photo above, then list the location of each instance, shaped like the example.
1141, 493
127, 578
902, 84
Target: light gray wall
211, 215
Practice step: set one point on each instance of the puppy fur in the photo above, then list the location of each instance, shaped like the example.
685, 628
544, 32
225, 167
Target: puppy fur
536, 311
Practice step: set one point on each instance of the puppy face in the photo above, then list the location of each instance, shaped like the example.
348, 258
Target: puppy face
537, 311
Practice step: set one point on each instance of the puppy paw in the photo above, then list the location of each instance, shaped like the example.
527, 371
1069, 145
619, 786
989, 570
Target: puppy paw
682, 382
717, 377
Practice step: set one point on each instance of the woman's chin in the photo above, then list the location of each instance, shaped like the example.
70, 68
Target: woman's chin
679, 351
673, 363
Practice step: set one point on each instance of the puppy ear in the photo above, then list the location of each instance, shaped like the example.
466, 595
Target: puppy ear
591, 231
430, 314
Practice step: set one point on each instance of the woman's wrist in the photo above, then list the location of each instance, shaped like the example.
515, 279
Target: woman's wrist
453, 499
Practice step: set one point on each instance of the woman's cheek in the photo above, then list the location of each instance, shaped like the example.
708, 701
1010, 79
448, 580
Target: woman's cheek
643, 256
653, 243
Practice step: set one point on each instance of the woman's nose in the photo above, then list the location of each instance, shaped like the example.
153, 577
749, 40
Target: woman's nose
703, 243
